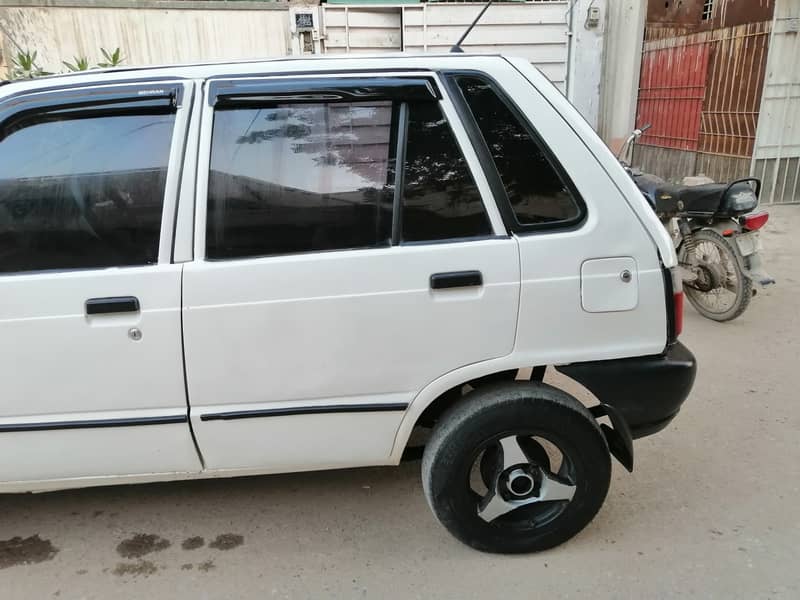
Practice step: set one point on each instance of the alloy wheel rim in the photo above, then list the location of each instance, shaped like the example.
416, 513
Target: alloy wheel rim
523, 490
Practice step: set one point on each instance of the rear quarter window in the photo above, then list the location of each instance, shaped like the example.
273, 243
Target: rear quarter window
535, 185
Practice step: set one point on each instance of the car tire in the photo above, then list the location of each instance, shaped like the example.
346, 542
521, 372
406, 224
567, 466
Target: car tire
502, 415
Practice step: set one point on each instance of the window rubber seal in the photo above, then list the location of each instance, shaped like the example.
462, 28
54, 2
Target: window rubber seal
399, 174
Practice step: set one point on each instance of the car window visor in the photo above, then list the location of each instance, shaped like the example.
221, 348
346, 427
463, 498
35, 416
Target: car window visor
75, 104
238, 93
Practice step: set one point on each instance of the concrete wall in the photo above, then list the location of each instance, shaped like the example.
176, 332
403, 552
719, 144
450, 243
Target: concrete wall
621, 61
148, 32
586, 59
5, 58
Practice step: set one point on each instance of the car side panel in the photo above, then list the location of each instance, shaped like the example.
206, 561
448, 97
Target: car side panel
355, 330
81, 395
553, 325
335, 328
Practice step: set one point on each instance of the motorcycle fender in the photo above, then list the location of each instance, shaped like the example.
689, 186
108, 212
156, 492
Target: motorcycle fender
721, 227
727, 225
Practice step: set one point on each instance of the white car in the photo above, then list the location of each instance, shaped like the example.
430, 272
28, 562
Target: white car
290, 265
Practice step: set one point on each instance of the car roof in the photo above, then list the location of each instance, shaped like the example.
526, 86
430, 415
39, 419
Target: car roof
271, 66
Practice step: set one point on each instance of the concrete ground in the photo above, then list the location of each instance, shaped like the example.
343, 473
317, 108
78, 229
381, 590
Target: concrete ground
711, 511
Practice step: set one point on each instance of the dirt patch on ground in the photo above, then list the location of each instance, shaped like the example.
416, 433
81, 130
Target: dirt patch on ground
141, 544
24, 551
142, 567
187, 567
227, 541
193, 543
206, 566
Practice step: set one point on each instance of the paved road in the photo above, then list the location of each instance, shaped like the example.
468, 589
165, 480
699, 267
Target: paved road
712, 510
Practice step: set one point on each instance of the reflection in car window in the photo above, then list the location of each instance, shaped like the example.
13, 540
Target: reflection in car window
82, 193
535, 190
440, 199
299, 178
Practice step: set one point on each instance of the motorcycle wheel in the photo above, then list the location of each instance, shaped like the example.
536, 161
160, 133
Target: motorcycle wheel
729, 290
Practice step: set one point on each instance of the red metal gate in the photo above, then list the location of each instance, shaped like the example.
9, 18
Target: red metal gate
701, 93
671, 91
737, 65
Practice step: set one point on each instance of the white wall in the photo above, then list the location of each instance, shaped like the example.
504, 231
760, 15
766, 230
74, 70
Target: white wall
150, 33
776, 157
536, 31
586, 60
362, 29
622, 59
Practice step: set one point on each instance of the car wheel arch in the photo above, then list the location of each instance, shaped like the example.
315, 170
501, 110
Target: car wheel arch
445, 391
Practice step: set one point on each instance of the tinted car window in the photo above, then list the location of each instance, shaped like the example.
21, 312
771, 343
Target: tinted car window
440, 199
300, 178
82, 193
535, 189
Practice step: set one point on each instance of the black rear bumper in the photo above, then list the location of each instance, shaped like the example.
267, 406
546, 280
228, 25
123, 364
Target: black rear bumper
646, 391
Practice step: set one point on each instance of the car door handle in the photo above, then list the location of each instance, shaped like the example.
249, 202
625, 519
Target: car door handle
455, 279
116, 304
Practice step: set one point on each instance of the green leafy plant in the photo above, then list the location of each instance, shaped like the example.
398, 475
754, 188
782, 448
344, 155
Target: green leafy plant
112, 59
23, 66
81, 64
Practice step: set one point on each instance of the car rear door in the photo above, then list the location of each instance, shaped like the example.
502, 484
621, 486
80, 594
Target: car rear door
347, 253
90, 326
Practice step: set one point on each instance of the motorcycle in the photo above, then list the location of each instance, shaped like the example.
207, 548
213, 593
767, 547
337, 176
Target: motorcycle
715, 233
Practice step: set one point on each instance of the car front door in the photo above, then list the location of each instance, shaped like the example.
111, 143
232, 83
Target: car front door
348, 254
90, 326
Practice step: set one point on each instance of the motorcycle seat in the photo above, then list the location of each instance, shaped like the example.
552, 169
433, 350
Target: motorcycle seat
712, 198
705, 198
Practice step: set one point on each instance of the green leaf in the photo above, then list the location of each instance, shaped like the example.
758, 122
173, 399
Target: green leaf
112, 59
81, 64
23, 66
